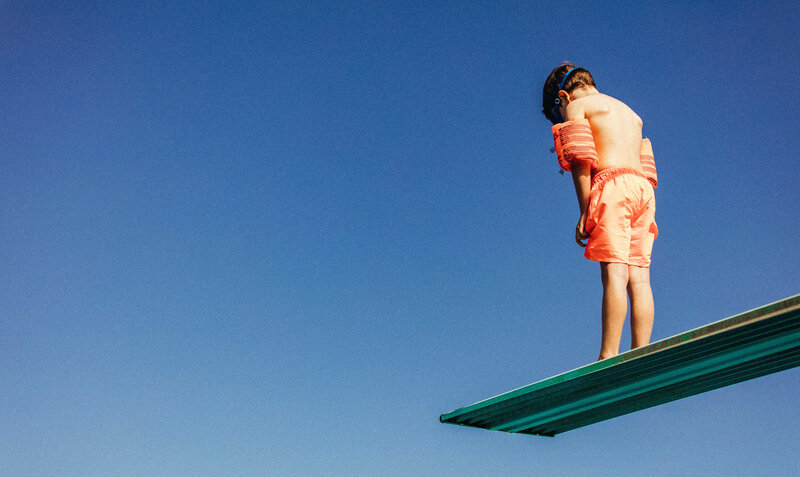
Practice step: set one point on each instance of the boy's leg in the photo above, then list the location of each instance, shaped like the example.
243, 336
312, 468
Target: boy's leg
642, 307
615, 306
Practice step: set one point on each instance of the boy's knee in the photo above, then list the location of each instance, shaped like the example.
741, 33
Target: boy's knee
613, 273
638, 276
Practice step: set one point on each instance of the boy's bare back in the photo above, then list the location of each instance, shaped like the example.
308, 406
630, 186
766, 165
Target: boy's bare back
617, 130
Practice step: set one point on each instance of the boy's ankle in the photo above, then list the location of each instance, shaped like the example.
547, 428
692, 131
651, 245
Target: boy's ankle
606, 356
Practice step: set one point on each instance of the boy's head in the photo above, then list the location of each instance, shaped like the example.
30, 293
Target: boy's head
575, 78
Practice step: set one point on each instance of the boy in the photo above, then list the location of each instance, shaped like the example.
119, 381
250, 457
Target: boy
615, 196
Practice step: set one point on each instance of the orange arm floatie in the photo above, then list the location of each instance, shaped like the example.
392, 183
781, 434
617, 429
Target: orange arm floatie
574, 143
648, 162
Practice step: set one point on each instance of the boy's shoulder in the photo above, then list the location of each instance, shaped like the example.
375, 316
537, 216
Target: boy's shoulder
587, 106
597, 104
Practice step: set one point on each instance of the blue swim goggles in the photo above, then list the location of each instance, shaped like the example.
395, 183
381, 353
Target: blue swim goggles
556, 111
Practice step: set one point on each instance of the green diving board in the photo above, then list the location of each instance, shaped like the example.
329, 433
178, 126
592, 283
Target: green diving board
746, 346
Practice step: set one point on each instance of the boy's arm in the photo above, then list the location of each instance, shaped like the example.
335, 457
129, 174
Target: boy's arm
581, 177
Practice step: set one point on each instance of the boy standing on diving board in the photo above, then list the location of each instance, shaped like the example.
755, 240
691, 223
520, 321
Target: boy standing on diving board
599, 139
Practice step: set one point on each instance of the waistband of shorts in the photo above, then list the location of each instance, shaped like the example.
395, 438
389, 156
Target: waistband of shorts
606, 174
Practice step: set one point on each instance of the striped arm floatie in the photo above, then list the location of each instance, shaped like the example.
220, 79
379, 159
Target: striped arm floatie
574, 142
648, 162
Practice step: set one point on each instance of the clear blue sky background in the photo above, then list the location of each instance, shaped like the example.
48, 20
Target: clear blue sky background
280, 238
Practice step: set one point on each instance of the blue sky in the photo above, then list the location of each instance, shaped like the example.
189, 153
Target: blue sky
280, 238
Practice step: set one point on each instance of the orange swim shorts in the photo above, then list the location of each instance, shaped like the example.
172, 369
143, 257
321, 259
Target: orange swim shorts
621, 218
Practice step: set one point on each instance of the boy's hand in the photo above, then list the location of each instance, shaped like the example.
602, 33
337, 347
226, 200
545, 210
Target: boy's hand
580, 231
582, 177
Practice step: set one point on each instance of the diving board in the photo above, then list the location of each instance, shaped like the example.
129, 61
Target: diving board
746, 346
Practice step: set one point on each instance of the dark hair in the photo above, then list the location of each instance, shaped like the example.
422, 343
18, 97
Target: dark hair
579, 77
